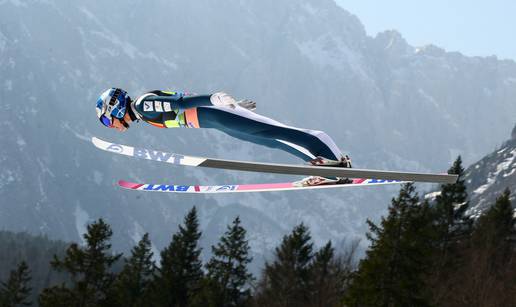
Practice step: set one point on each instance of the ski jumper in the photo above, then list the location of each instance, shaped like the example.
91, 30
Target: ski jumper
174, 110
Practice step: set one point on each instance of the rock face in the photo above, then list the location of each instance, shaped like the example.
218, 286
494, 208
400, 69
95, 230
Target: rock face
307, 63
513, 134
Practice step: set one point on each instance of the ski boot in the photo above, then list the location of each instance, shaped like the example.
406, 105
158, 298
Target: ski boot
319, 180
344, 161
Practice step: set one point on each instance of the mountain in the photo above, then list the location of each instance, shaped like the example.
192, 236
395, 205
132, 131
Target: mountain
490, 176
307, 63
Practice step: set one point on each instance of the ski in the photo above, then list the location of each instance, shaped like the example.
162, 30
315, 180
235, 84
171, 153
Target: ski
288, 169
246, 188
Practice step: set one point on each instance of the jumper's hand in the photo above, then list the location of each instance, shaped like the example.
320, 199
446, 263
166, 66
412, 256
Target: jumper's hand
247, 104
222, 99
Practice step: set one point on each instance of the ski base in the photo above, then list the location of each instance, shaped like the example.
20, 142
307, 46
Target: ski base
246, 188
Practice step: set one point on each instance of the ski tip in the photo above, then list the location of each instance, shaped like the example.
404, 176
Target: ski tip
128, 185
96, 141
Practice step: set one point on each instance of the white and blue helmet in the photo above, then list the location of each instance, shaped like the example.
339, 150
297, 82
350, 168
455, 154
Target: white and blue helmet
112, 103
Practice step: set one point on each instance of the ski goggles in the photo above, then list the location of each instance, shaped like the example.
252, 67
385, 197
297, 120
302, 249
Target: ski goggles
106, 121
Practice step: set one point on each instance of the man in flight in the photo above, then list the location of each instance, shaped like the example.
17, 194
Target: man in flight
164, 109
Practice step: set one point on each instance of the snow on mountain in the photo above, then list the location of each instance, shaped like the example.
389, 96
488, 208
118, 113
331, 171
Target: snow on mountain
489, 177
307, 63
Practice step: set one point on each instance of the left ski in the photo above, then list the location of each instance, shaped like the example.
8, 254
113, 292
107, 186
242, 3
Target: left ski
287, 169
245, 188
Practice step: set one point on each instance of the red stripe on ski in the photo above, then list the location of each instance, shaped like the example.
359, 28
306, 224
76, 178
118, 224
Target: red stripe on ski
197, 189
358, 180
129, 185
245, 187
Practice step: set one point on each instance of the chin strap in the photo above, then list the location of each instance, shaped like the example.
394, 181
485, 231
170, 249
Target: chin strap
126, 125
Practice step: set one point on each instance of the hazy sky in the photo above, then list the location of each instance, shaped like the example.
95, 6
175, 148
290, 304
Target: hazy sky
472, 27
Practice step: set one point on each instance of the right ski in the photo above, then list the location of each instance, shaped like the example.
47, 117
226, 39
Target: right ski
288, 169
246, 188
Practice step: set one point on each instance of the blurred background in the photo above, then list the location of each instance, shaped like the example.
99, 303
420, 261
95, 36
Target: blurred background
398, 85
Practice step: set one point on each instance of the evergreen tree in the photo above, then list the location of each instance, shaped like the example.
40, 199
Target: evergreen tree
488, 276
227, 268
329, 277
287, 280
16, 291
181, 273
90, 270
494, 229
132, 285
453, 229
451, 204
392, 274
37, 252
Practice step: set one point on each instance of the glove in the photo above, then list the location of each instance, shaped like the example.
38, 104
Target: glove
222, 99
247, 104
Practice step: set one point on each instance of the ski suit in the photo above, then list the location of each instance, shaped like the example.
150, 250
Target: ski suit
165, 109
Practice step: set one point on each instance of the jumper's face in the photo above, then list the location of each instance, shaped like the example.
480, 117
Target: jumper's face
117, 124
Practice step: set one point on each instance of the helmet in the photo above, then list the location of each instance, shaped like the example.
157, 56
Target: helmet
112, 103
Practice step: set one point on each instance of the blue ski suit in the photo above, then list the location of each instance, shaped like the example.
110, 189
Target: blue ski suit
165, 109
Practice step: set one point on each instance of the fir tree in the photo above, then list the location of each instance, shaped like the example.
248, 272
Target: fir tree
181, 273
451, 204
132, 285
287, 280
227, 268
16, 291
90, 270
494, 229
392, 274
488, 276
452, 231
329, 277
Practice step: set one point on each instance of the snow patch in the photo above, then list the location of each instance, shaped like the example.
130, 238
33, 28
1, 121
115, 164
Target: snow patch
170, 64
98, 177
309, 8
428, 97
78, 135
510, 173
138, 232
432, 195
3, 42
18, 3
20, 141
332, 51
7, 177
90, 15
126, 47
502, 166
509, 80
44, 168
81, 221
391, 42
481, 189
8, 84
240, 51
42, 189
